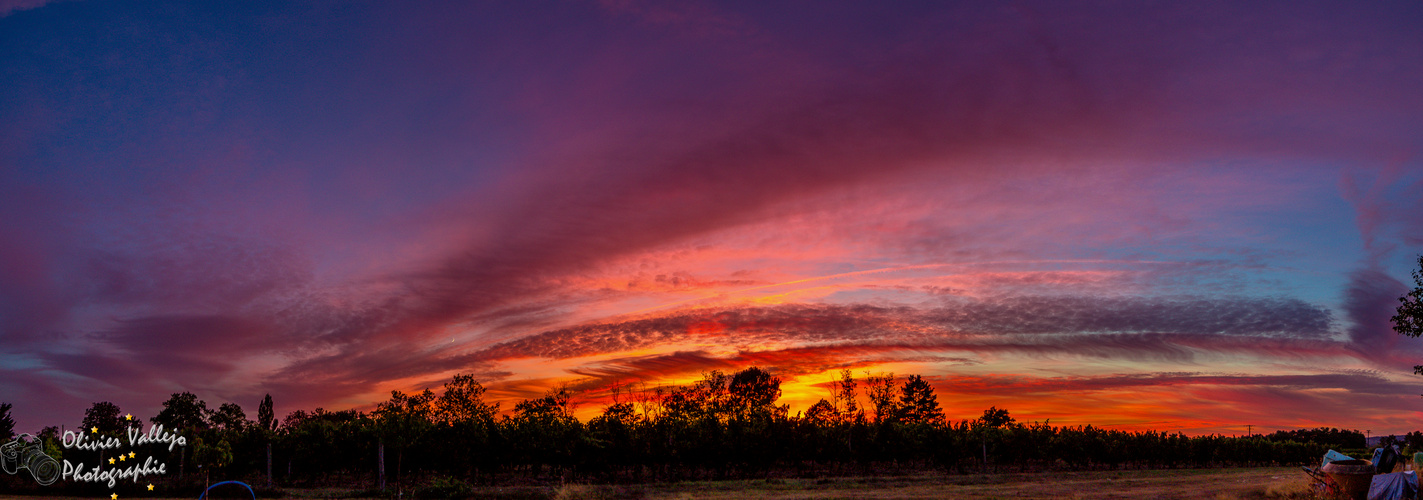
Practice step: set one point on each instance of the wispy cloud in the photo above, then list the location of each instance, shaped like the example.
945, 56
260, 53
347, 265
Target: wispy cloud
8, 7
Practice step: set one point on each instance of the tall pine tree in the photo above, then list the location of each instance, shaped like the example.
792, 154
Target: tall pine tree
917, 402
266, 418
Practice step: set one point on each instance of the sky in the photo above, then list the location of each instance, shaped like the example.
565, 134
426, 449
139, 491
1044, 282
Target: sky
1185, 216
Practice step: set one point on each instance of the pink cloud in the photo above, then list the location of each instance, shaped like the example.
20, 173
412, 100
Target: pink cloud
8, 7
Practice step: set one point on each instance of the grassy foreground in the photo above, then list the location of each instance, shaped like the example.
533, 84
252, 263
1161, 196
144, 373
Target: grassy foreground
1213, 484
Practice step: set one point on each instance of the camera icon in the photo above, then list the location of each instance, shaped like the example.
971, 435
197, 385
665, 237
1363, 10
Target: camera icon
27, 452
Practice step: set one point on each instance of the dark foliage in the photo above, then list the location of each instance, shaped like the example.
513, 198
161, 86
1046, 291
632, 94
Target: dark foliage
106, 417
1334, 438
183, 411
918, 404
266, 419
7, 423
723, 426
1409, 320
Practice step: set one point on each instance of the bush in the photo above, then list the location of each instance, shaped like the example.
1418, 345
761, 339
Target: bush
445, 487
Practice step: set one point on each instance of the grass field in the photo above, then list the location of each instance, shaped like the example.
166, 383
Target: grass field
1213, 484
1177, 484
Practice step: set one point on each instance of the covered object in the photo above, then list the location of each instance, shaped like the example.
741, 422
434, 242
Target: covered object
1395, 486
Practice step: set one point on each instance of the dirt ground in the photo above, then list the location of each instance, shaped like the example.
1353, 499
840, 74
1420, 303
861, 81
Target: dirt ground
1212, 484
1219, 484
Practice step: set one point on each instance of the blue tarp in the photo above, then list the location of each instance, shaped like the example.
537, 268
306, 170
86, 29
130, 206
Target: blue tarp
1395, 486
1334, 456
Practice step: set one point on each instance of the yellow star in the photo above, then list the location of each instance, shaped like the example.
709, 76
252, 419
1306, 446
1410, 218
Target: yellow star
122, 457
93, 430
111, 460
130, 454
128, 417
150, 487
114, 496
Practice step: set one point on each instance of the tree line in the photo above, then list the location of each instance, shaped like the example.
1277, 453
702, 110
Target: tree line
722, 426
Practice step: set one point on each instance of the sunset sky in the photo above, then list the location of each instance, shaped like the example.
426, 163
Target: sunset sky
1185, 216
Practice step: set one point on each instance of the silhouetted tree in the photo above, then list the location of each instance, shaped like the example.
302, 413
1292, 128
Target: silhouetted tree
822, 413
266, 418
229, 418
545, 429
183, 412
994, 418
1337, 438
402, 421
211, 456
1409, 320
1414, 442
266, 427
463, 402
7, 423
881, 393
52, 446
706, 398
105, 416
917, 402
753, 393
612, 432
846, 400
321, 442
467, 427
720, 426
990, 426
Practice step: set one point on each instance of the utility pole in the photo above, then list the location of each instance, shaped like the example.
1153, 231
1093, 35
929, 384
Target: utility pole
1249, 430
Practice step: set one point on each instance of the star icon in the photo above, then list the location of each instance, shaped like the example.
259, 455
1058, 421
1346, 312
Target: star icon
130, 454
114, 496
128, 417
122, 457
150, 487
93, 430
111, 461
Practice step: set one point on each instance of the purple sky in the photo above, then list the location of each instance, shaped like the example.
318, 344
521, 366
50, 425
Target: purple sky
1189, 216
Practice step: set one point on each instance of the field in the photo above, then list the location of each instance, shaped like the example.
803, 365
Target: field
1213, 484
